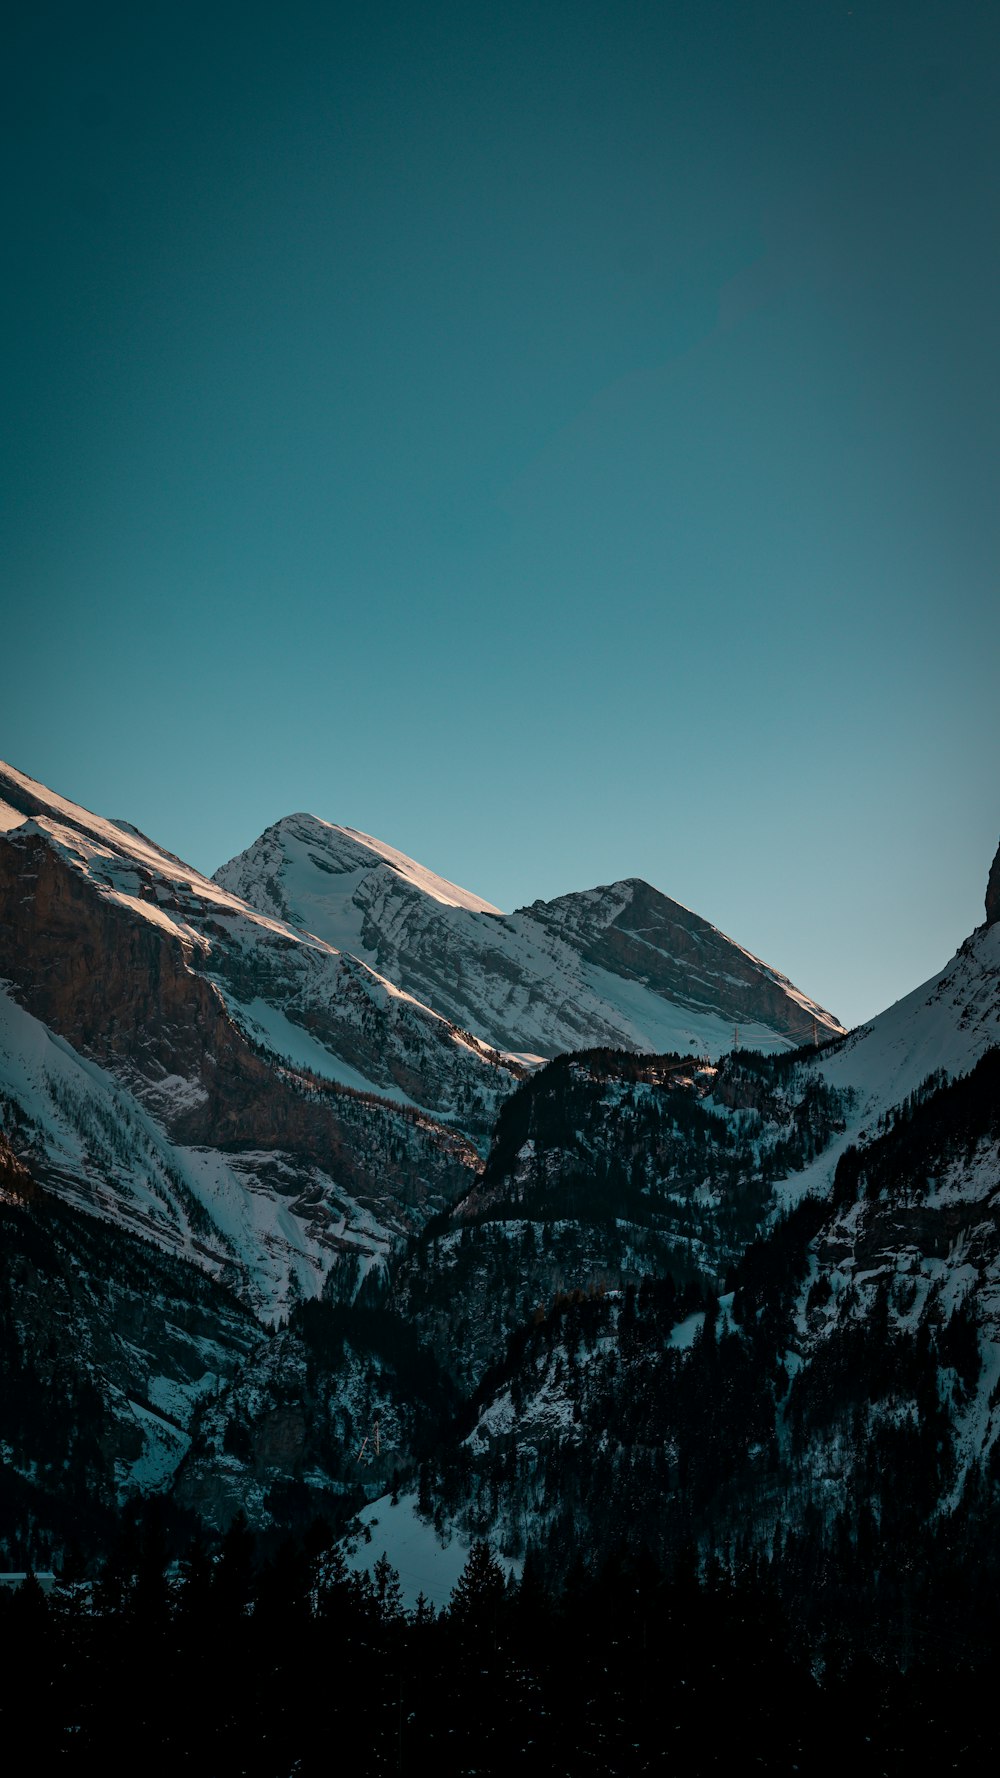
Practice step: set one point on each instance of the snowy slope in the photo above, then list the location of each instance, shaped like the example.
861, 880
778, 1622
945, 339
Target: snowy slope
620, 965
946, 1024
941, 1028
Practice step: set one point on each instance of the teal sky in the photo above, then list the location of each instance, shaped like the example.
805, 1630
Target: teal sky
562, 440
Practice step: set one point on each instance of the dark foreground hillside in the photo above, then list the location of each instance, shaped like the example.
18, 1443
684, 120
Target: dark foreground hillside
286, 1665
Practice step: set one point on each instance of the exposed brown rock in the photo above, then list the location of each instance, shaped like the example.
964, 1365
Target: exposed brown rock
124, 992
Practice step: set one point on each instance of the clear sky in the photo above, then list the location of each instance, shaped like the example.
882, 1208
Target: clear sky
560, 439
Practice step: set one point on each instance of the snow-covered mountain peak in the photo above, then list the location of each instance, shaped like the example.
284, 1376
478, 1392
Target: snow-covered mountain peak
428, 882
326, 879
619, 964
347, 849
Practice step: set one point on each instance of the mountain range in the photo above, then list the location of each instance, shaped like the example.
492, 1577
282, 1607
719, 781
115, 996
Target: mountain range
327, 1187
305, 1055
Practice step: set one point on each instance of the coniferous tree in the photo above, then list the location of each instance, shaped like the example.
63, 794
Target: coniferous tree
479, 1593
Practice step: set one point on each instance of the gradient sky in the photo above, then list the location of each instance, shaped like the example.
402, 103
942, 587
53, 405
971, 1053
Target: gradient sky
562, 440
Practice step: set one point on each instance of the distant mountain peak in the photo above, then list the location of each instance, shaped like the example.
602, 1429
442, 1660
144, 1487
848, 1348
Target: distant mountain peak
619, 964
360, 850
